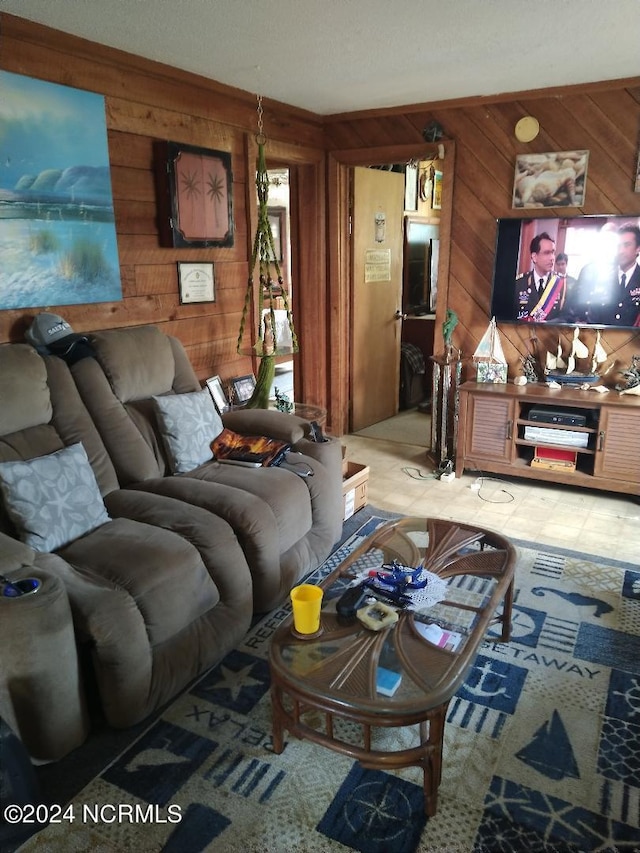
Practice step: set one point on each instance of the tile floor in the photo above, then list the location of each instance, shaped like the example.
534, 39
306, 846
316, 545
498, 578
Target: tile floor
401, 480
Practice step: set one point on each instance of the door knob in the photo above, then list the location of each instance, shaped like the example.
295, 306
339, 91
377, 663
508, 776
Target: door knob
399, 315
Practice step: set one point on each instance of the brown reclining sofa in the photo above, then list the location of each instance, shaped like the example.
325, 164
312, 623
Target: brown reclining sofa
166, 569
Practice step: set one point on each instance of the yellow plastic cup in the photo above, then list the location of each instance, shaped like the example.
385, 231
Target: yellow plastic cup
306, 600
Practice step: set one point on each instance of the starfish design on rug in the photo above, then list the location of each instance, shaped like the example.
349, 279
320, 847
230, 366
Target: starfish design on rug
234, 681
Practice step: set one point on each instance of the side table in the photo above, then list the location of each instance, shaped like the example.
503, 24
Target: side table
308, 411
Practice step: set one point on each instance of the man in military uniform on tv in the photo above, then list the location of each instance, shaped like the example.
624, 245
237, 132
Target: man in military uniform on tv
540, 292
626, 285
608, 289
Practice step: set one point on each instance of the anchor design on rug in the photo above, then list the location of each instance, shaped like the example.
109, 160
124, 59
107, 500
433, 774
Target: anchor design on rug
601, 607
550, 751
486, 682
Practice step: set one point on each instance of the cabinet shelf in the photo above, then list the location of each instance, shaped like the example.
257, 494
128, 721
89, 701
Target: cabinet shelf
552, 446
493, 417
525, 422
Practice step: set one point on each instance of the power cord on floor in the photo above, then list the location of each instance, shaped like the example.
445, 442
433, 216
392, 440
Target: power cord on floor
416, 474
479, 483
444, 472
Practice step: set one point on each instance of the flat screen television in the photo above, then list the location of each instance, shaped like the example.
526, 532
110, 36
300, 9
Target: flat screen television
531, 285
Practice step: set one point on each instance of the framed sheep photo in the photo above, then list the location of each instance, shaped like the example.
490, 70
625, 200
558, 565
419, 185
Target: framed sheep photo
556, 179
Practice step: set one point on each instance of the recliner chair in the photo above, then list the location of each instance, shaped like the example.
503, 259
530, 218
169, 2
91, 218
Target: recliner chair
286, 524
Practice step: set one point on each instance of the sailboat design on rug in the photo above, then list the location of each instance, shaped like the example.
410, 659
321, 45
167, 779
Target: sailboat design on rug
562, 369
550, 751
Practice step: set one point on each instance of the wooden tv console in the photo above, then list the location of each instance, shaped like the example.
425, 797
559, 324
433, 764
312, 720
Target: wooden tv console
491, 429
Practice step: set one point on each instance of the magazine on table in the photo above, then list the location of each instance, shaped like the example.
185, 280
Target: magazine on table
444, 638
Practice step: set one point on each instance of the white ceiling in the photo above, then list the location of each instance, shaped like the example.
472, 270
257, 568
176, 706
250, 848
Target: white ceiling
331, 56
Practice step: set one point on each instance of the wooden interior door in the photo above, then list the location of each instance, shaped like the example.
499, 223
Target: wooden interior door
377, 209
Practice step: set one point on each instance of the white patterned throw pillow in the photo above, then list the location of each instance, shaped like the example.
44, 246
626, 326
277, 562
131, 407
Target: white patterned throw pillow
188, 424
52, 500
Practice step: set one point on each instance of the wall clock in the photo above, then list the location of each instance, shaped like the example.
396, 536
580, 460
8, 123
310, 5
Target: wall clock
527, 129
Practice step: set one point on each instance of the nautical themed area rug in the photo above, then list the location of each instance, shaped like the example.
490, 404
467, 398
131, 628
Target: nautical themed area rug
541, 747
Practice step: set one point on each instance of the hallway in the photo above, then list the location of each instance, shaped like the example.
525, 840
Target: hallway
408, 427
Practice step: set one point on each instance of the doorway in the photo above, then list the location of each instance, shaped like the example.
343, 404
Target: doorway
406, 418
376, 275
279, 212
338, 253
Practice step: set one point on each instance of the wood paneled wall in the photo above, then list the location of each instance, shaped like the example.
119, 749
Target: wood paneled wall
603, 118
146, 101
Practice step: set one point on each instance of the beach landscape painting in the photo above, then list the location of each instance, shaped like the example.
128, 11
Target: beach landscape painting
57, 227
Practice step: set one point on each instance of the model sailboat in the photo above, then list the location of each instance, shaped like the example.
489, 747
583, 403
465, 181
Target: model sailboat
489, 356
564, 371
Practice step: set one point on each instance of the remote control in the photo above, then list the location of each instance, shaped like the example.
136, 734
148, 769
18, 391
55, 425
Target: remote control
241, 456
244, 462
380, 590
351, 600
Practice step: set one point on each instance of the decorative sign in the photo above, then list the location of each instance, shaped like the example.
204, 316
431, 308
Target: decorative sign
377, 265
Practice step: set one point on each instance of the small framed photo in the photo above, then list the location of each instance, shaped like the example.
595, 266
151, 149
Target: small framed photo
242, 387
196, 283
436, 203
214, 384
411, 187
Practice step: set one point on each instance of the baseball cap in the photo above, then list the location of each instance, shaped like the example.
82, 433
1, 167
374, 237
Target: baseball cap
52, 333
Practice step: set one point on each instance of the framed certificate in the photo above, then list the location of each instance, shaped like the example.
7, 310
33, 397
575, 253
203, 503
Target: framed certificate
196, 283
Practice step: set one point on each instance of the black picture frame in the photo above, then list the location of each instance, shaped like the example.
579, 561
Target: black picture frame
194, 188
242, 388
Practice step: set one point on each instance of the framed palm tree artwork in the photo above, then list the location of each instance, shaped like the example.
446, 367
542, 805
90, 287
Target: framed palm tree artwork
195, 195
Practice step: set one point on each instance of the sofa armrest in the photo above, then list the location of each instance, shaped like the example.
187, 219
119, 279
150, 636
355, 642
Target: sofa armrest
269, 422
14, 554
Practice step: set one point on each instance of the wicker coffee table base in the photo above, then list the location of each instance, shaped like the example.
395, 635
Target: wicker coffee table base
289, 710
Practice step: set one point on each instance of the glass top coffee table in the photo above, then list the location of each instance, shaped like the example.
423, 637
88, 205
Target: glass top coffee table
318, 683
